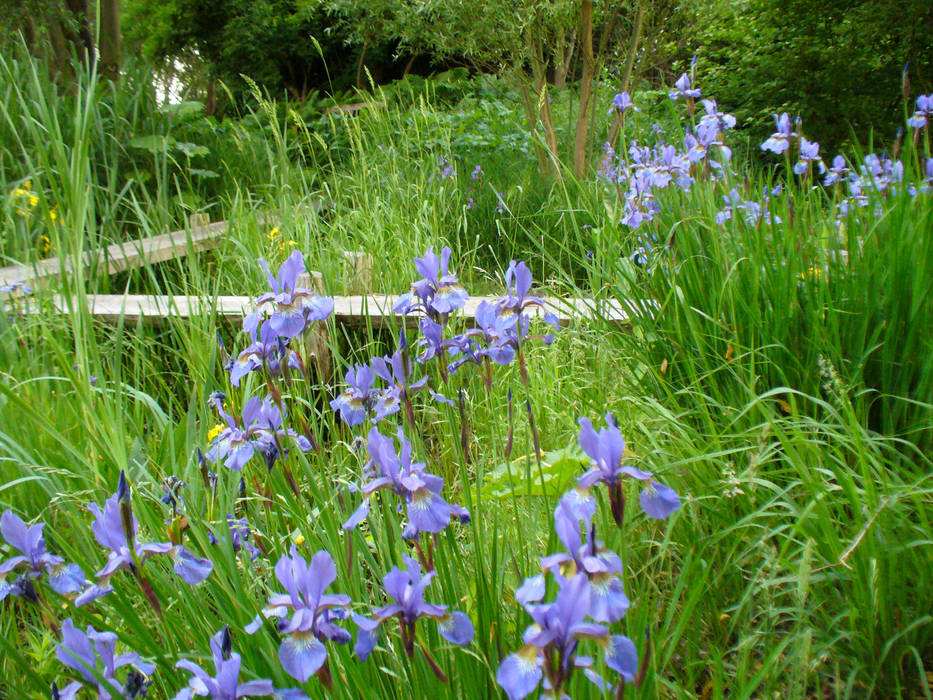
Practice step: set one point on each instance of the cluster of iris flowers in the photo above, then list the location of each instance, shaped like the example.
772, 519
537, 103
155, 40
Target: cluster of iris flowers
639, 174
590, 595
584, 583
306, 616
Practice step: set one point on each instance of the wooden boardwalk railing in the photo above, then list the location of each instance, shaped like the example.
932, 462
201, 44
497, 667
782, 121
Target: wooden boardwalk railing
120, 257
361, 310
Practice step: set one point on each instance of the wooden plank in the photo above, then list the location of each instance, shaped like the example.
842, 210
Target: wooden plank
374, 309
120, 257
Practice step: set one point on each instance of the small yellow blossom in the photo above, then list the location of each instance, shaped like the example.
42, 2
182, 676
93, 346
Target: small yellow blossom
812, 272
215, 431
299, 539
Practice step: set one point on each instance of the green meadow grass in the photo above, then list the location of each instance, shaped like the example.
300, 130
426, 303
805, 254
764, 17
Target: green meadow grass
782, 389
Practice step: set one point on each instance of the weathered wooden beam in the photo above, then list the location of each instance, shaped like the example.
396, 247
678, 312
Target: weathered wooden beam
127, 255
360, 272
374, 309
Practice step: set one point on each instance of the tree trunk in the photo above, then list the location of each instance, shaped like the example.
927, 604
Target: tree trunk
359, 64
565, 50
586, 91
411, 62
60, 62
84, 39
109, 28
629, 65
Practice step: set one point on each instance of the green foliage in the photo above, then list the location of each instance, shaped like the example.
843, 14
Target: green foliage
785, 389
286, 46
835, 63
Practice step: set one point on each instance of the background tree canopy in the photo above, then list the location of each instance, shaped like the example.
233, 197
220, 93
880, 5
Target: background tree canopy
836, 63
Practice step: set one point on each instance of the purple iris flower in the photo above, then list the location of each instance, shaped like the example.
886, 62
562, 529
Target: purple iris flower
267, 351
92, 653
396, 372
438, 292
239, 537
837, 172
293, 308
879, 173
683, 88
421, 491
647, 244
447, 170
358, 397
489, 340
127, 553
225, 685
732, 200
551, 643
477, 173
517, 301
492, 331
637, 211
927, 185
260, 431
606, 448
64, 578
669, 166
10, 287
608, 168
713, 116
809, 153
709, 136
235, 444
432, 340
923, 113
585, 554
622, 103
406, 587
751, 211
302, 652
779, 141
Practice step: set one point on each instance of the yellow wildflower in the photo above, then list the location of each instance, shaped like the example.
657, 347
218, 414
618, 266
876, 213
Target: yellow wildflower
299, 539
812, 272
215, 431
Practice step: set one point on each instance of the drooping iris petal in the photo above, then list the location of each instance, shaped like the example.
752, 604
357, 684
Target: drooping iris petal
359, 515
532, 590
76, 650
622, 656
301, 655
191, 569
659, 501
367, 636
66, 578
92, 593
519, 674
456, 628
